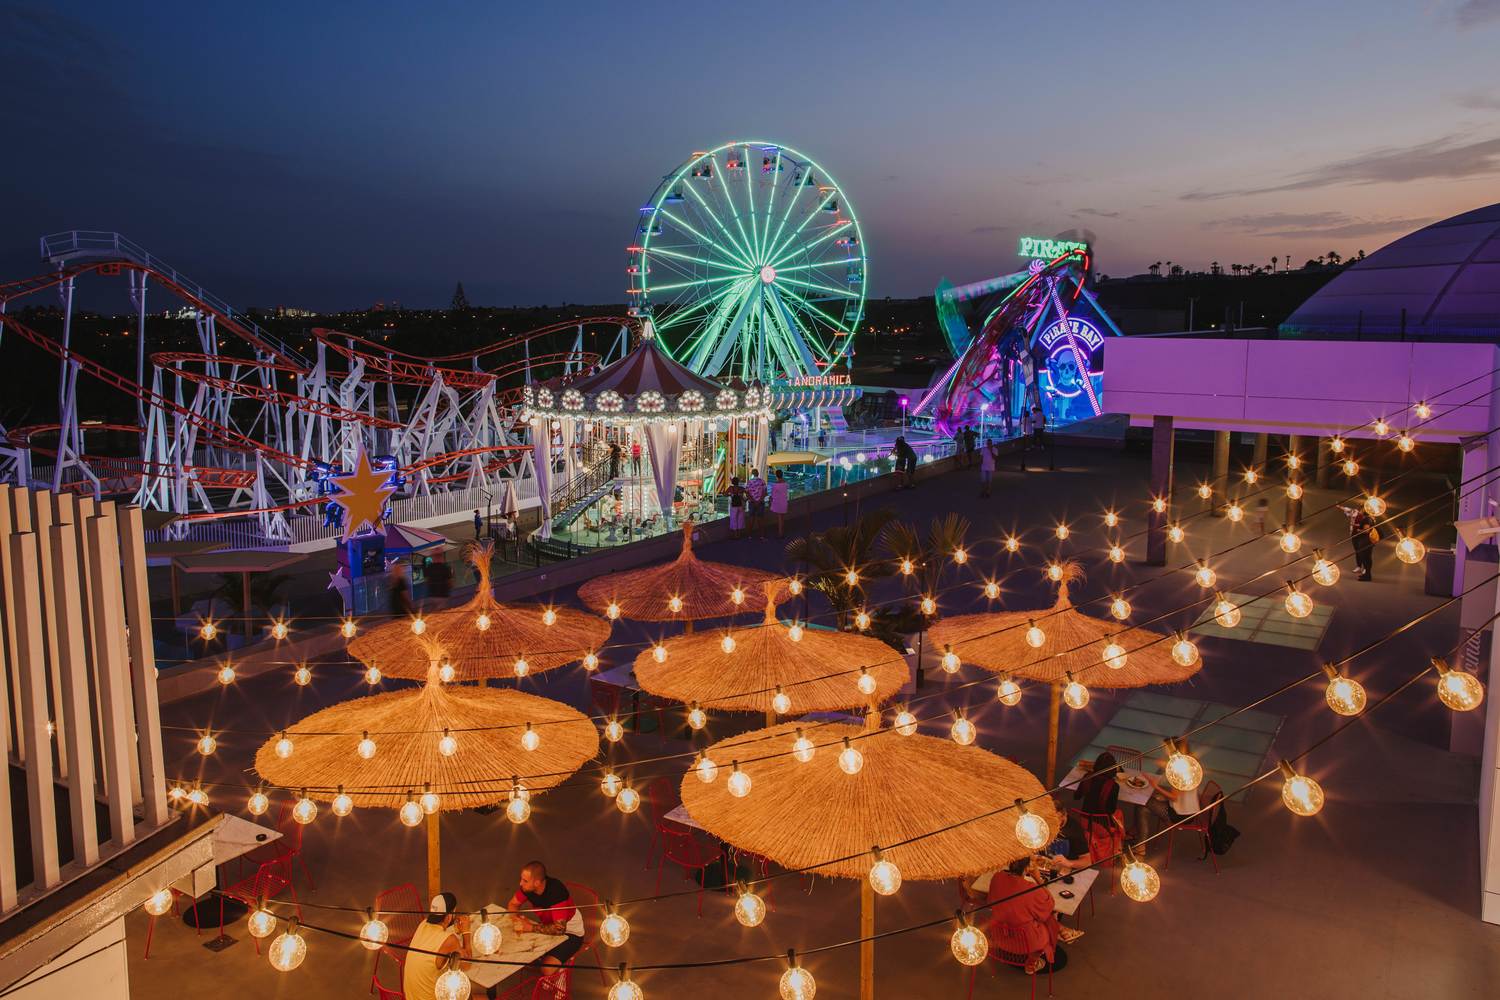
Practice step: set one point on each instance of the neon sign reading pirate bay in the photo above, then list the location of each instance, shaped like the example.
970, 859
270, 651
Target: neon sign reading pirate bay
1044, 249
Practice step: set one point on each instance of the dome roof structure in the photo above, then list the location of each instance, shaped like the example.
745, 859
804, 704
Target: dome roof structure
1440, 282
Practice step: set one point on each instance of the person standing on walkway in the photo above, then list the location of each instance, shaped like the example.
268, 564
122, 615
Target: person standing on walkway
986, 468
971, 438
906, 464
780, 498
755, 496
736, 494
1363, 534
635, 458
478, 525
614, 459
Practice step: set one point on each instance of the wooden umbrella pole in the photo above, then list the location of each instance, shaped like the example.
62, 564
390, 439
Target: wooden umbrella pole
867, 940
434, 856
1053, 707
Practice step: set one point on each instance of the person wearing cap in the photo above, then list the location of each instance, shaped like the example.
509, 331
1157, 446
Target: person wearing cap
543, 905
444, 933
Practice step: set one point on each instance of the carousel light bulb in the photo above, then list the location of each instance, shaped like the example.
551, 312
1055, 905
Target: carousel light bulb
372, 675
1299, 793
305, 811
950, 661
1294, 491
1325, 571
207, 631
452, 983
1075, 695
1351, 467
905, 723
1116, 553
1120, 608
446, 673
1289, 541
198, 797
706, 769
851, 578
1298, 604
991, 590
258, 803
518, 810
803, 748
1406, 442
1423, 410
1183, 771
862, 621
1410, 550
283, 747
1227, 614
158, 902
613, 611
739, 782
674, 604
1159, 504
303, 676
430, 802
590, 661
1206, 577
928, 606
963, 731
1235, 512
1252, 477
614, 930
885, 877
798, 984
614, 731
1111, 519
1184, 651
866, 682
226, 675
347, 628
1114, 655
906, 567
1012, 543
781, 702
1035, 637
969, 945
410, 813
374, 934
1139, 880
628, 801
342, 804
1031, 829
207, 744
1458, 689
696, 718
418, 626
611, 784
1062, 532
447, 744
1054, 572
1374, 505
1382, 428
749, 909
794, 586
794, 632
960, 555
261, 922
1008, 693
366, 747
530, 738
1344, 694
659, 653
1205, 491
278, 630
1175, 533
851, 761
485, 940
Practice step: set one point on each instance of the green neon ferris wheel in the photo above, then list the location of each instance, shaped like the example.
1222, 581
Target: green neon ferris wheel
749, 261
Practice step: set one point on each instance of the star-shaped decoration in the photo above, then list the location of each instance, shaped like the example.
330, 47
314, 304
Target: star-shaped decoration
363, 493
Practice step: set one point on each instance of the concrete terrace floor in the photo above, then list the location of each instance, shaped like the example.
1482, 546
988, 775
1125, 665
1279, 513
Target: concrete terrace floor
1374, 898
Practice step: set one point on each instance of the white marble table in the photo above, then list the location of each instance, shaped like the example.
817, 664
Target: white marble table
518, 950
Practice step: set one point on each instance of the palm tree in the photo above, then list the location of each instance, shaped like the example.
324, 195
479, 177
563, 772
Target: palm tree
829, 555
1334, 257
1236, 269
929, 557
1273, 263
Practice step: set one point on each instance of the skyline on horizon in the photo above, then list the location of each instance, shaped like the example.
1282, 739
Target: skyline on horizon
329, 159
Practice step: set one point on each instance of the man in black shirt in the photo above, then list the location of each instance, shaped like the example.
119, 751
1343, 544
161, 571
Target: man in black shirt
543, 905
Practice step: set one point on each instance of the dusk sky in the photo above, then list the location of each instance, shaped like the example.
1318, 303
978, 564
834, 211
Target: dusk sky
328, 155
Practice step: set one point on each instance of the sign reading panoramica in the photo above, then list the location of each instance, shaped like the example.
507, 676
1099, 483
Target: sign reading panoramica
1043, 249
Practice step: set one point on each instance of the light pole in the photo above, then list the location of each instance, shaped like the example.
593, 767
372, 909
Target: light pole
905, 402
984, 412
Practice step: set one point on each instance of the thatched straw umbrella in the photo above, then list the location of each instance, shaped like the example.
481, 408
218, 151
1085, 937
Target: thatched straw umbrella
744, 673
799, 813
1073, 646
408, 728
704, 589
483, 638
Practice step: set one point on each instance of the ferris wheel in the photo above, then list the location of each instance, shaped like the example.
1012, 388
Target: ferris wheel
749, 260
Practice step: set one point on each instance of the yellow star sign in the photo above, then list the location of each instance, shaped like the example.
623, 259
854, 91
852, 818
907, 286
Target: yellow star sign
363, 495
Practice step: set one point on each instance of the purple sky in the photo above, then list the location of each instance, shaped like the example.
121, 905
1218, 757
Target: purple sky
385, 151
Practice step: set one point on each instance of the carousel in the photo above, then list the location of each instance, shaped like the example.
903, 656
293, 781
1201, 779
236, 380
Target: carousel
625, 452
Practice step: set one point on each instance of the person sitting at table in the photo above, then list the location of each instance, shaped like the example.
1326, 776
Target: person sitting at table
1098, 794
543, 905
444, 932
1016, 901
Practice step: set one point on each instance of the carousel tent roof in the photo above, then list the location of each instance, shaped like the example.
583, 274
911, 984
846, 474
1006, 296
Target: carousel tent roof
645, 368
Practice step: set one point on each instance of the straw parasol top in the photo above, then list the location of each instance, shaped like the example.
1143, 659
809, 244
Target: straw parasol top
745, 680
1074, 642
407, 726
706, 588
799, 814
510, 632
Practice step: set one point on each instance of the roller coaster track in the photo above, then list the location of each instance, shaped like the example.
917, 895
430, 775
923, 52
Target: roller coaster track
259, 393
126, 467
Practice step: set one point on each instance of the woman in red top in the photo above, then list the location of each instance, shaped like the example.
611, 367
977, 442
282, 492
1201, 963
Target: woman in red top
1020, 903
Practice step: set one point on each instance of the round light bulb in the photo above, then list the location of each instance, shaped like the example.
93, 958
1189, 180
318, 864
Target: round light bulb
794, 587
628, 801
851, 578
342, 804
1351, 467
348, 628
207, 744
739, 784
970, 946
1032, 832
303, 676
1205, 491
287, 950
1290, 542
1406, 442
951, 662
1302, 795
226, 675
410, 813
1294, 491
960, 556
374, 934
372, 675
851, 761
803, 748
696, 718
1382, 428
749, 909
991, 590
258, 803
1139, 881
446, 673
261, 923
1116, 553
1183, 771
1175, 533
798, 984
207, 631
177, 793
485, 940
906, 567
521, 667
1460, 690
614, 930
158, 902
278, 630
1062, 531
1423, 410
611, 784
1294, 461
482, 622
590, 662
625, 989
1120, 608
1325, 571
613, 611
905, 723
963, 732
727, 643
530, 738
885, 877
452, 984
866, 682
1410, 550
418, 626
613, 731
659, 653
1252, 477
794, 632
430, 802
674, 605
1114, 655
518, 810
1206, 577
1035, 637
549, 617
1235, 513
447, 744
1159, 504
1075, 695
1336, 445
305, 811
1226, 614
283, 747
1012, 543
706, 770
781, 702
1298, 604
862, 621
1374, 505
928, 606
1008, 693
366, 748
1345, 695
1054, 572
1111, 519
1185, 652
198, 797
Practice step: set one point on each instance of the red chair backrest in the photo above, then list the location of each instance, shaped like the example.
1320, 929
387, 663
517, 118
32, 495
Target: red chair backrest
554, 986
401, 908
681, 847
291, 831
587, 901
1008, 944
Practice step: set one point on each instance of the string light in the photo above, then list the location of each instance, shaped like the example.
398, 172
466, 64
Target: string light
1458, 689
906, 567
612, 612
1235, 512
1251, 476
1116, 553
448, 744
522, 668
446, 673
749, 909
1054, 572
969, 944
1138, 880
374, 934
258, 803
482, 622
1294, 491
366, 747
706, 769
1410, 550
1336, 445
372, 675
851, 761
1289, 541
283, 746
549, 617
1184, 651
1325, 571
342, 804
674, 604
659, 653
951, 661
1351, 467
1205, 576
418, 626
531, 739
485, 940
797, 983
1293, 461
1423, 410
177, 793
1159, 504
1035, 637
199, 797
1298, 604
590, 661
429, 800
158, 902
1031, 828
960, 555
1008, 693
288, 949
794, 586
610, 784
1344, 694
1075, 695
851, 578
452, 983
1374, 505
613, 731
963, 731
696, 717
207, 744
1111, 519
885, 877
1183, 772
1406, 442
905, 723
306, 810
261, 921
278, 630
1113, 655
303, 676
781, 702
803, 748
739, 782
1205, 491
866, 681
727, 643
1175, 533
226, 674
1062, 532
991, 590
208, 631
1226, 613
1382, 428
862, 620
628, 801
410, 813
1012, 543
614, 929
928, 606
348, 628
625, 989
1299, 793
1119, 607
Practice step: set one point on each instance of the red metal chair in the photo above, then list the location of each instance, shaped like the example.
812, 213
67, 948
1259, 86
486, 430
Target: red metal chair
587, 901
1104, 831
401, 908
661, 798
1212, 797
681, 847
267, 883
554, 986
1008, 947
284, 850
384, 992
